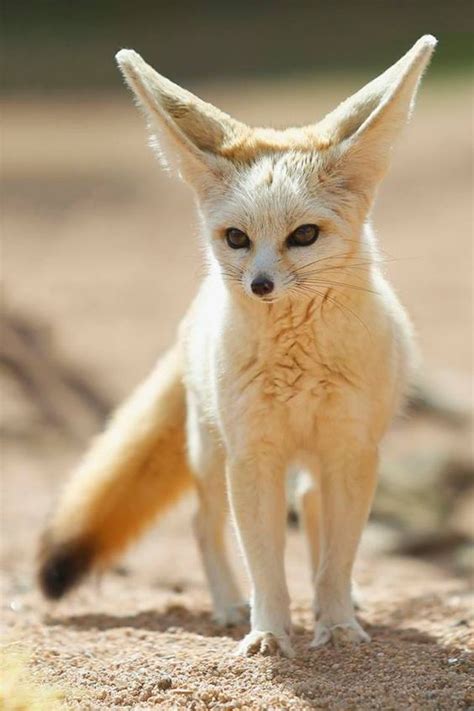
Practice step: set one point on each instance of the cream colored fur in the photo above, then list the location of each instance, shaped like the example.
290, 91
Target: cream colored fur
308, 377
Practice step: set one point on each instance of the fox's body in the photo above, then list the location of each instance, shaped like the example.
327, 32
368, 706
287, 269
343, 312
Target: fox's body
295, 355
289, 361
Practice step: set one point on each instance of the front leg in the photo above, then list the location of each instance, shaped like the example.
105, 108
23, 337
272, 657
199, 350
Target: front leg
348, 478
257, 499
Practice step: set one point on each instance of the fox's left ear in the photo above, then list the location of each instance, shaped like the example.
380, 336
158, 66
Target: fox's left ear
363, 128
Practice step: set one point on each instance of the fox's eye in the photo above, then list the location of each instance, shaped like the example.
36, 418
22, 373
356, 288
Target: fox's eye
236, 238
303, 236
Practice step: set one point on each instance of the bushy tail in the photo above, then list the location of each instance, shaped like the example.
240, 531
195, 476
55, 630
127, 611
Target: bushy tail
134, 470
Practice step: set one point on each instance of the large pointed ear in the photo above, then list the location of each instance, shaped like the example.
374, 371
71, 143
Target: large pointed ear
188, 133
364, 127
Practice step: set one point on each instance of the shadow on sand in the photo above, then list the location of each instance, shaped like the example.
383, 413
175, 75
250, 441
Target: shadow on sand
428, 674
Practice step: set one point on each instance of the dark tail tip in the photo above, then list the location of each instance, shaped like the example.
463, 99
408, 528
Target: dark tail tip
62, 566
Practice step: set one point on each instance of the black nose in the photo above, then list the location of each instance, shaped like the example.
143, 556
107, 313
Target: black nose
262, 285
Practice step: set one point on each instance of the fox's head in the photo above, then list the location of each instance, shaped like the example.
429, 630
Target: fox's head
275, 204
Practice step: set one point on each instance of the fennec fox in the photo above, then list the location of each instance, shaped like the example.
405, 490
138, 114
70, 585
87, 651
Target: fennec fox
294, 354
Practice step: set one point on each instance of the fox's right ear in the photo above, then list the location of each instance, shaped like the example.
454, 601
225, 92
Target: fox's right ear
188, 133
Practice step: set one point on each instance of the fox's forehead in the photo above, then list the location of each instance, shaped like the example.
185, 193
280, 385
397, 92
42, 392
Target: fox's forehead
274, 193
289, 171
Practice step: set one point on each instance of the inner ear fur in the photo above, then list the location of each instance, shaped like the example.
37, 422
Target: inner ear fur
190, 132
389, 95
362, 130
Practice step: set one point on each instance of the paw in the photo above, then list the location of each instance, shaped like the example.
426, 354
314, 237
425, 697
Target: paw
232, 615
345, 633
267, 644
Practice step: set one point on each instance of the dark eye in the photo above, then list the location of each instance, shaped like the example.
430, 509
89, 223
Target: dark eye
236, 238
303, 236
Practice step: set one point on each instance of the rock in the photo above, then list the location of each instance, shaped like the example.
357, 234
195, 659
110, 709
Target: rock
164, 682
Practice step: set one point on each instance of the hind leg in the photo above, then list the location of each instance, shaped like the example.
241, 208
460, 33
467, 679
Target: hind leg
209, 527
308, 498
207, 460
308, 503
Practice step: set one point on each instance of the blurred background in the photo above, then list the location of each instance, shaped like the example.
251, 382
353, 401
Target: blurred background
100, 248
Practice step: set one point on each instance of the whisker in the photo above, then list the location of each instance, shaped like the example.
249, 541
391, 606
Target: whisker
342, 307
326, 282
339, 255
231, 278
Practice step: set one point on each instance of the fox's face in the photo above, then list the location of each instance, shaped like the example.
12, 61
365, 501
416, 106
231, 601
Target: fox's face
282, 211
276, 226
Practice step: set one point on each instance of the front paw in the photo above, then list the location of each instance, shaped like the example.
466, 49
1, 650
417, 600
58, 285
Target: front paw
341, 634
232, 615
267, 644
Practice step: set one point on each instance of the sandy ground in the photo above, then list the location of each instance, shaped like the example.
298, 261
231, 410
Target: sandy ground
101, 247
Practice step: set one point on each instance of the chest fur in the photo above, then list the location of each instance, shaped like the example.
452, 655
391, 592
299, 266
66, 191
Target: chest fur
289, 359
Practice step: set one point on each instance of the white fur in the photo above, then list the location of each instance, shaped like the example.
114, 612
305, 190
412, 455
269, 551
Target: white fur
310, 378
